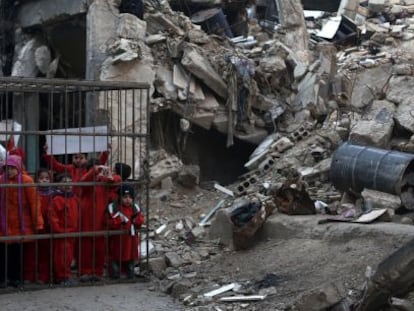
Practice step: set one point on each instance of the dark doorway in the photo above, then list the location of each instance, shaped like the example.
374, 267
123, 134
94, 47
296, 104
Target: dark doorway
206, 148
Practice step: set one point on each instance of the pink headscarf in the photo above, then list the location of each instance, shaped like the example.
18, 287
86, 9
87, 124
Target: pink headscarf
15, 161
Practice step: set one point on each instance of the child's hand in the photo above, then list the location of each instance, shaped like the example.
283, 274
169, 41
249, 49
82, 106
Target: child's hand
105, 171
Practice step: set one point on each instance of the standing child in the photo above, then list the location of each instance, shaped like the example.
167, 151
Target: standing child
94, 201
121, 173
40, 257
75, 170
78, 167
63, 218
44, 176
19, 215
124, 213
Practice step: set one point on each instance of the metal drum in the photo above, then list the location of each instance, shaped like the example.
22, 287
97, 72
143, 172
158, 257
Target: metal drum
357, 167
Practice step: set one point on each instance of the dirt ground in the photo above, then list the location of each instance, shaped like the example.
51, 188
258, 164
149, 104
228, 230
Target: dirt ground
292, 255
120, 297
299, 265
290, 267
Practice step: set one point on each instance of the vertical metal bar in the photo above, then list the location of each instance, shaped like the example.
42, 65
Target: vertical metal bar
6, 250
51, 127
147, 169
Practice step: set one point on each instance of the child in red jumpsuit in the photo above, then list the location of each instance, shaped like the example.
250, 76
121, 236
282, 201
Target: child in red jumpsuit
76, 170
121, 173
124, 214
43, 175
19, 215
94, 200
63, 218
41, 257
78, 167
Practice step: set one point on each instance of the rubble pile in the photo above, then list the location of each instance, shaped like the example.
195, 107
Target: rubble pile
355, 88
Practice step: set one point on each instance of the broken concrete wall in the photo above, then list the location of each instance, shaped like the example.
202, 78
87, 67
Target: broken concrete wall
292, 19
36, 13
117, 52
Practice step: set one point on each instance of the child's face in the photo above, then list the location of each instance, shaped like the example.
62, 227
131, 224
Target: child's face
11, 171
63, 186
127, 200
79, 160
43, 177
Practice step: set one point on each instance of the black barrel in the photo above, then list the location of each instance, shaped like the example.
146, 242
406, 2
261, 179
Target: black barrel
357, 167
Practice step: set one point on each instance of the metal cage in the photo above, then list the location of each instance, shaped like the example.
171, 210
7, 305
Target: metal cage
45, 122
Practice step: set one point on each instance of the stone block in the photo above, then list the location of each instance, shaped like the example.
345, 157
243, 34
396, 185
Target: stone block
264, 166
273, 64
371, 133
403, 115
300, 134
181, 287
159, 22
197, 232
400, 89
156, 265
137, 70
221, 229
202, 69
131, 27
368, 83
377, 6
164, 83
321, 298
173, 259
165, 168
167, 183
382, 199
282, 144
403, 69
189, 176
377, 130
307, 93
180, 80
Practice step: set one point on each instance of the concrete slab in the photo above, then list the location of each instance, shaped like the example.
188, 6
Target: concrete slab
281, 226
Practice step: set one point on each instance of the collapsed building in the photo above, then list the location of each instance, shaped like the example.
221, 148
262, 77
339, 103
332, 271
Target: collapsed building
266, 91
194, 76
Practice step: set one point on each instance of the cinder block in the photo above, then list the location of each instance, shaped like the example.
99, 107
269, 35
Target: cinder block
282, 144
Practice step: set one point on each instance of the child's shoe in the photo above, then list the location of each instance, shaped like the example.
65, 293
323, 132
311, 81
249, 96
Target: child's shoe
68, 282
115, 271
130, 270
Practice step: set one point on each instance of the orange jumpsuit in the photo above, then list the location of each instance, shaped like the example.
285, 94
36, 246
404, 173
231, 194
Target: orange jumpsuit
44, 245
20, 214
63, 217
94, 200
